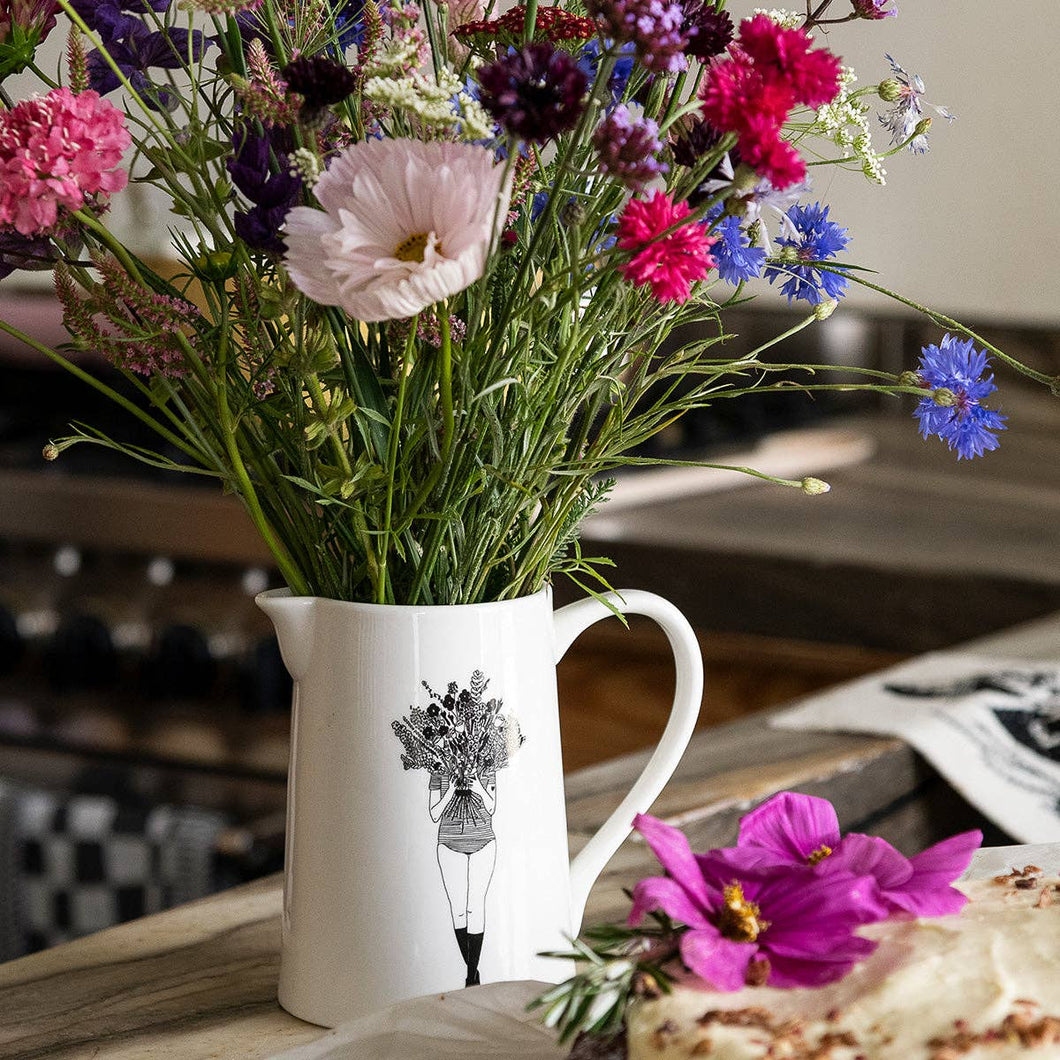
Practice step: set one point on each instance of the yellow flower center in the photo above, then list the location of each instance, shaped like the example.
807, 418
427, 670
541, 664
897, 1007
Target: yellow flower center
412, 248
822, 852
740, 920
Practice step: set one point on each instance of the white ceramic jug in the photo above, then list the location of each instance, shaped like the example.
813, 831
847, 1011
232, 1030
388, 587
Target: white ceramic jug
426, 826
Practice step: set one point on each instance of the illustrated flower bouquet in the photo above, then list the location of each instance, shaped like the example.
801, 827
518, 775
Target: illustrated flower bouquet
460, 735
781, 908
443, 270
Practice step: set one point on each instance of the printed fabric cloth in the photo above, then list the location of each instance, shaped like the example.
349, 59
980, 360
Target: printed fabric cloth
990, 726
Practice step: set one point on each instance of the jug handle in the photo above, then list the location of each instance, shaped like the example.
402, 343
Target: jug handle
572, 620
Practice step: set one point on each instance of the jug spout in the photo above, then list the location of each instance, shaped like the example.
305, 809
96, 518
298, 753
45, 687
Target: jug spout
293, 618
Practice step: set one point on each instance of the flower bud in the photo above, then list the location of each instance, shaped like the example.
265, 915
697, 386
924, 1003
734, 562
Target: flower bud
922, 127
745, 179
944, 396
910, 378
890, 91
50, 452
572, 214
823, 310
814, 487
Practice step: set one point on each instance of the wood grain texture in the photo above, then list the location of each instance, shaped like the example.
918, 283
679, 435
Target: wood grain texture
198, 982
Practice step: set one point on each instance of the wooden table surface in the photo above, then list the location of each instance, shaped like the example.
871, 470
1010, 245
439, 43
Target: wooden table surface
199, 981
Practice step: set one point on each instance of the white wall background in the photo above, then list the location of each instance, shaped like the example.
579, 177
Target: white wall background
973, 227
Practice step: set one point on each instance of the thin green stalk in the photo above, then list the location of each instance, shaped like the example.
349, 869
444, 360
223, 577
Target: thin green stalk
391, 462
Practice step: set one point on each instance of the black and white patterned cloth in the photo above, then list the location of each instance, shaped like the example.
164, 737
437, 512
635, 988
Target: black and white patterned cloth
71, 864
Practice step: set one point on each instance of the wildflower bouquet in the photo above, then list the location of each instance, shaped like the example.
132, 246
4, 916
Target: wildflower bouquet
782, 908
444, 269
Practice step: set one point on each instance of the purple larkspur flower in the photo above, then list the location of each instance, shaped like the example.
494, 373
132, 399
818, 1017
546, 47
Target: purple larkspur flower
874, 9
654, 27
535, 92
708, 30
908, 109
789, 922
809, 236
627, 148
792, 829
737, 260
965, 425
258, 168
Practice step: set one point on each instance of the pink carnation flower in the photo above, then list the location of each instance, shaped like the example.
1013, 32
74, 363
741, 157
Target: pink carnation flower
769, 71
672, 263
58, 151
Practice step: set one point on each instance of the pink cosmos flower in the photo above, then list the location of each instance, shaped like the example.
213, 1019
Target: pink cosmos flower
405, 225
58, 152
792, 829
785, 925
672, 263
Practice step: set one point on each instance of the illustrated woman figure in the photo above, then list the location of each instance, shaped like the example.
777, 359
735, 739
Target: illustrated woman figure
462, 740
467, 853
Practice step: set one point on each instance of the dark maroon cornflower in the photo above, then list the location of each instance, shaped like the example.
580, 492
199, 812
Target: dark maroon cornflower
23, 25
535, 93
693, 141
627, 148
708, 31
320, 81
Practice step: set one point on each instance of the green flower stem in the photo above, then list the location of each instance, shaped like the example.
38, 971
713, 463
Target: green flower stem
1051, 381
382, 586
316, 395
811, 319
530, 22
106, 391
227, 427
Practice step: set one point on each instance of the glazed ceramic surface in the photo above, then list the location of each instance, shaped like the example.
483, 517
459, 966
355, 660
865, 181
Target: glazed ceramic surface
426, 830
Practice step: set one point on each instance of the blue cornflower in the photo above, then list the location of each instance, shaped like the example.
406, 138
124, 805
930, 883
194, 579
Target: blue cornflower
737, 260
959, 368
810, 237
589, 63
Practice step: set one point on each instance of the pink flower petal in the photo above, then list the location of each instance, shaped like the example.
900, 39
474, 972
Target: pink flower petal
794, 971
661, 892
671, 847
864, 855
718, 960
791, 826
928, 892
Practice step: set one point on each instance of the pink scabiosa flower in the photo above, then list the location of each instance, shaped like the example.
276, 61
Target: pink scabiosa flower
786, 926
672, 263
792, 829
58, 152
404, 225
627, 148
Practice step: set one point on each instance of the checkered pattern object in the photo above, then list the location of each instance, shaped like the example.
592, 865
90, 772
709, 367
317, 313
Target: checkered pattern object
80, 863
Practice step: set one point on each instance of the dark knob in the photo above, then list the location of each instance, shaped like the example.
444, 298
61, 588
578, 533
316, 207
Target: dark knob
81, 655
10, 641
266, 685
181, 665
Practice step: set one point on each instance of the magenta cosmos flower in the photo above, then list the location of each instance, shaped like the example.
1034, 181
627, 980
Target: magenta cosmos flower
782, 925
669, 264
801, 830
